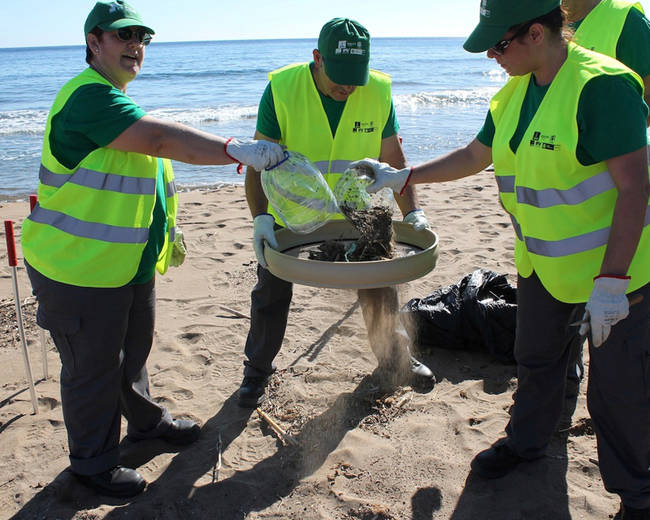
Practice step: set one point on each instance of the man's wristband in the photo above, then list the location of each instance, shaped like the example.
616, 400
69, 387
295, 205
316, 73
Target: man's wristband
225, 149
619, 276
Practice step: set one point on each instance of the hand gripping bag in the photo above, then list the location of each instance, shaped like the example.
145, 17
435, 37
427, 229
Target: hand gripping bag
299, 194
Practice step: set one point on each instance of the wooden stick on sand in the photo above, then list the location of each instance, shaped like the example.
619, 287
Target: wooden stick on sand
284, 437
233, 311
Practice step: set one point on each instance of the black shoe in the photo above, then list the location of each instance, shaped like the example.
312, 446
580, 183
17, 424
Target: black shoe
421, 374
629, 513
182, 432
251, 391
117, 482
497, 461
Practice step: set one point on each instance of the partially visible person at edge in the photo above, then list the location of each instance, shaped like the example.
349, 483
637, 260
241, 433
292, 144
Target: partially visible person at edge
572, 172
351, 115
105, 221
617, 28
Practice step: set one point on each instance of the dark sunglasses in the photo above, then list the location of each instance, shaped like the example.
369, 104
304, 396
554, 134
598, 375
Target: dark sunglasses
127, 33
500, 47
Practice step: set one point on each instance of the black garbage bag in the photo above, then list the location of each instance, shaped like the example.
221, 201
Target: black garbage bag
478, 313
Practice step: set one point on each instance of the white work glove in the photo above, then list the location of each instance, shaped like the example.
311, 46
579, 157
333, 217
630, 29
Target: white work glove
607, 305
385, 175
263, 230
418, 219
258, 154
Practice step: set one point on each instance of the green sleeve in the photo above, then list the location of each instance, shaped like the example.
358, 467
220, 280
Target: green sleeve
611, 119
633, 47
267, 120
93, 117
486, 134
392, 126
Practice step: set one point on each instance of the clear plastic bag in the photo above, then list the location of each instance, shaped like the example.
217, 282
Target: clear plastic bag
299, 194
350, 190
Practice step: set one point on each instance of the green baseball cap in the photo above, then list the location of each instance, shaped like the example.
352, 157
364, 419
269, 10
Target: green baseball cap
345, 47
497, 16
111, 15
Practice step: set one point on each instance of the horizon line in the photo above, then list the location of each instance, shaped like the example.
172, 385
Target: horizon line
30, 46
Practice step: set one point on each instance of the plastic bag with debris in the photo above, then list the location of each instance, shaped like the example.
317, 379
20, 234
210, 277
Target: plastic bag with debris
299, 194
350, 191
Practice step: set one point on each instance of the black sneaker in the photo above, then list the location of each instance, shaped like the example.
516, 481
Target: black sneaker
629, 513
117, 482
497, 461
251, 391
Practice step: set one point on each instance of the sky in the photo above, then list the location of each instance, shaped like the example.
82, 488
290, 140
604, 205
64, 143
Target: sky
32, 23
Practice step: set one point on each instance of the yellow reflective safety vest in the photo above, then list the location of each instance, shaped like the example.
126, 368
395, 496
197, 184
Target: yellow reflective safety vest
602, 27
91, 223
561, 210
305, 128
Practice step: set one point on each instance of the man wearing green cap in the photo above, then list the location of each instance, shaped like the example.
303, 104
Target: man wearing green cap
567, 137
333, 110
105, 222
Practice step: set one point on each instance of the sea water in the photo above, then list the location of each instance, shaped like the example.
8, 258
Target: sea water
441, 95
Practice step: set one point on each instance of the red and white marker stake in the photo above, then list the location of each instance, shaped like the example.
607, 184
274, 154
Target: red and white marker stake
13, 262
33, 199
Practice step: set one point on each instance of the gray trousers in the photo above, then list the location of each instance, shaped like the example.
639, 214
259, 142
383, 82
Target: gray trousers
270, 301
618, 394
103, 337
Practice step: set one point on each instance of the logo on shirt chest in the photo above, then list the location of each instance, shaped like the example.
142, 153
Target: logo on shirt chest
545, 142
364, 127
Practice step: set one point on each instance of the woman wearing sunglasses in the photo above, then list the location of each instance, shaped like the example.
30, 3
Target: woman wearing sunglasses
105, 222
567, 137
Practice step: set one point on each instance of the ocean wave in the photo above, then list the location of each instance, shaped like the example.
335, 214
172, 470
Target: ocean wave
32, 122
23, 122
444, 98
197, 116
203, 74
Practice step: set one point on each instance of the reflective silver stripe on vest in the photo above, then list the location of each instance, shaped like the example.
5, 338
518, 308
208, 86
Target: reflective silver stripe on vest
172, 234
516, 226
170, 189
97, 231
337, 166
569, 246
576, 195
506, 183
99, 181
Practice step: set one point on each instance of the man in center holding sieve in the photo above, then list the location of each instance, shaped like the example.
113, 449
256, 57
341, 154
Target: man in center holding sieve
334, 110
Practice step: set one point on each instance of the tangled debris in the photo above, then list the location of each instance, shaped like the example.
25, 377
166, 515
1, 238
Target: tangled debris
376, 241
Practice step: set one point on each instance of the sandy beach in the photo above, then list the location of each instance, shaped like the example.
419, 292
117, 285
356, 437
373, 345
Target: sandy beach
358, 452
